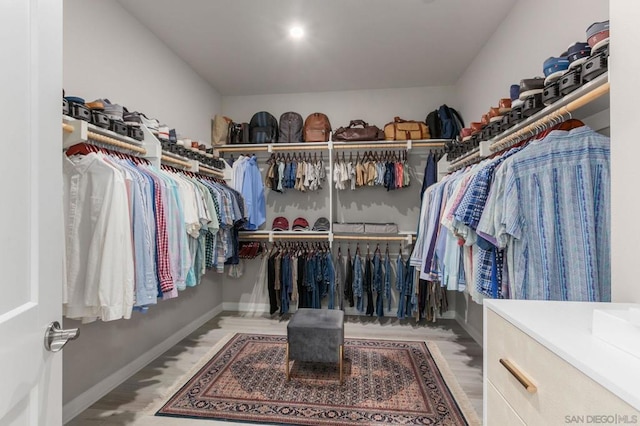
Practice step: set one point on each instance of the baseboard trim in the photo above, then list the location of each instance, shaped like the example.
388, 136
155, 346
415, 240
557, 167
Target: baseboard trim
93, 394
475, 334
260, 308
246, 307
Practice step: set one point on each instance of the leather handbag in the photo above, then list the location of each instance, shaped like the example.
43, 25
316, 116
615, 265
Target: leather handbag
353, 133
402, 130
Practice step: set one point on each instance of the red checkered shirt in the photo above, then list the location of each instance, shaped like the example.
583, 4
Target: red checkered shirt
162, 240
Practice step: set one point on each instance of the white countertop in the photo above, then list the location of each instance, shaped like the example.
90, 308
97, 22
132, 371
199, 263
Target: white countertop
565, 329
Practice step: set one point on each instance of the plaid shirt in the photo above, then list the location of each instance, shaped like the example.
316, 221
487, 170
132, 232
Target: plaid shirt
162, 238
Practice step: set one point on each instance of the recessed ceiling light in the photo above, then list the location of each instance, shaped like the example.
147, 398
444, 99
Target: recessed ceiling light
296, 32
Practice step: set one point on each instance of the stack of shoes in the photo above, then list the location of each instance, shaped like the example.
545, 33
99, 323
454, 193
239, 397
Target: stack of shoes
98, 116
598, 35
515, 115
76, 108
578, 53
554, 69
598, 40
531, 90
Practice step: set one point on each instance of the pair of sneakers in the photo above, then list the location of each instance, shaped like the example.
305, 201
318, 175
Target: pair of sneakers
136, 118
113, 111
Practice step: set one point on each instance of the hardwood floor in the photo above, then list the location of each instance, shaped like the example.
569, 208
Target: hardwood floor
129, 403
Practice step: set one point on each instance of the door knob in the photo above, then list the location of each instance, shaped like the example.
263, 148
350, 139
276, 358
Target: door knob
55, 337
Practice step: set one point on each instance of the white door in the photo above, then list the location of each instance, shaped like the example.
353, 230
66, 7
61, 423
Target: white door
31, 231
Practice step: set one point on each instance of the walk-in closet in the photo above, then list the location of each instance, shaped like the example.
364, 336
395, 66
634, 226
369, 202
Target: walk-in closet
302, 212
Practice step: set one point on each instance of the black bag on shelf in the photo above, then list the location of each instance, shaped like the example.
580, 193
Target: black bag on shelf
238, 133
263, 128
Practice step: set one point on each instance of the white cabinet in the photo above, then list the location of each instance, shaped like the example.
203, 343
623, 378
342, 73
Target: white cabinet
543, 367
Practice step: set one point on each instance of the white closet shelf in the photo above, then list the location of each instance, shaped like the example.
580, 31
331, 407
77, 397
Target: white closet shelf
584, 102
308, 146
408, 144
78, 131
270, 147
581, 103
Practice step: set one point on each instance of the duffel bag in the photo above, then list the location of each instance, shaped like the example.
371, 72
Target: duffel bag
402, 130
353, 133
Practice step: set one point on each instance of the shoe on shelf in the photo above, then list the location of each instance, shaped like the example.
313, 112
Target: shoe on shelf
151, 123
97, 105
131, 117
113, 111
163, 132
530, 87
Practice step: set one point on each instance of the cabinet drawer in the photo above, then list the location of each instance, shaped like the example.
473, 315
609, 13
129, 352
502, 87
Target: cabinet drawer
562, 390
499, 412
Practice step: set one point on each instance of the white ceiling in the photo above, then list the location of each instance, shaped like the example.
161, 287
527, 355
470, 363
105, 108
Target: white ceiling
242, 47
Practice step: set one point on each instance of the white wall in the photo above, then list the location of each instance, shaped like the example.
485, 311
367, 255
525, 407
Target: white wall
625, 151
373, 106
132, 67
135, 69
530, 33
363, 205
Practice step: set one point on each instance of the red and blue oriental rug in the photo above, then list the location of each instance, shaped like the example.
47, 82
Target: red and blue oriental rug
385, 382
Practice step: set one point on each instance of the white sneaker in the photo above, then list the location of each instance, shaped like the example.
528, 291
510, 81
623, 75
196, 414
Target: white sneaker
151, 123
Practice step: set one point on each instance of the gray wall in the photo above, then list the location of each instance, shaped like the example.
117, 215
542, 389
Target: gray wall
134, 69
106, 347
505, 60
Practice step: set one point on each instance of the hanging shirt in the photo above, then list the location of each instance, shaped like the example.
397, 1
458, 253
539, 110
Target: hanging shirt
556, 199
99, 253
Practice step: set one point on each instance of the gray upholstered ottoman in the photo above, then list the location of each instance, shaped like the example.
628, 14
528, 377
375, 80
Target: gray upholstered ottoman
316, 335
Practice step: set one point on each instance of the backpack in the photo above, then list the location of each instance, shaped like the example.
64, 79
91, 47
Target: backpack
238, 133
317, 128
263, 128
290, 127
433, 123
451, 122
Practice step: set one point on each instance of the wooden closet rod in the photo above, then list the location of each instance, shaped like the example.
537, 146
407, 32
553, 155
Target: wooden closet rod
371, 238
106, 140
214, 172
243, 148
115, 142
167, 159
388, 145
287, 147
277, 236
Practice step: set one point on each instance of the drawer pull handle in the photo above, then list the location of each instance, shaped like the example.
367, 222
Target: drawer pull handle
524, 380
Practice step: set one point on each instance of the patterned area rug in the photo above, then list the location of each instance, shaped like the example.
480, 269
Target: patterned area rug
385, 382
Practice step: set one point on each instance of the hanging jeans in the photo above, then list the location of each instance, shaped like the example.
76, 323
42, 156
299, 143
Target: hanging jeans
368, 285
271, 280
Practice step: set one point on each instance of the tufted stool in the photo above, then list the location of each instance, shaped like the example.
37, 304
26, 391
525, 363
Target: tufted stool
316, 335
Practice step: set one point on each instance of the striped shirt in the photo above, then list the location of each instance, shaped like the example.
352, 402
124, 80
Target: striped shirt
551, 210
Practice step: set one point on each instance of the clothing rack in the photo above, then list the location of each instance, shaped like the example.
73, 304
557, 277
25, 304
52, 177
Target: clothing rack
409, 238
276, 236
391, 144
176, 160
106, 140
551, 116
561, 115
214, 172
